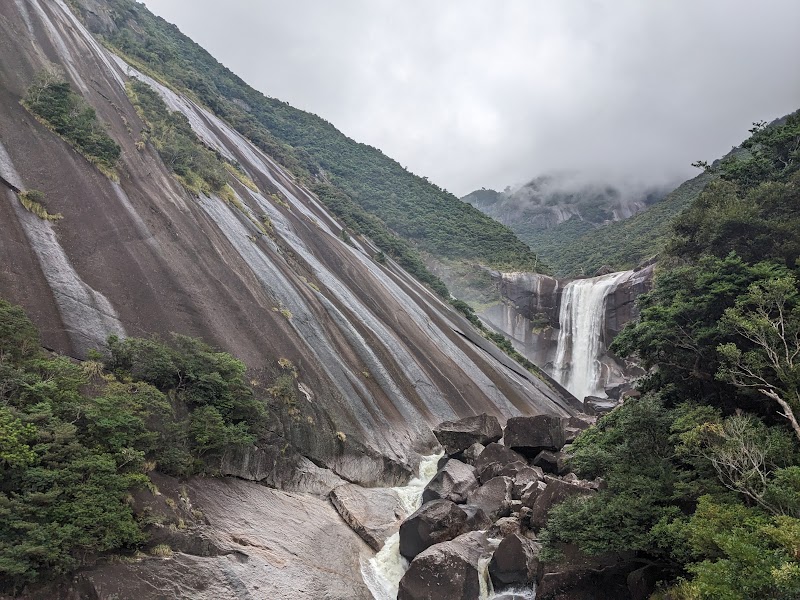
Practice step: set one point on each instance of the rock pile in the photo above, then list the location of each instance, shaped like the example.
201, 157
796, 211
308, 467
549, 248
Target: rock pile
485, 506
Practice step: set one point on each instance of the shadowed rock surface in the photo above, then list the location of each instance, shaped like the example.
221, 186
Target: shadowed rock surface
435, 522
457, 436
454, 481
514, 561
447, 570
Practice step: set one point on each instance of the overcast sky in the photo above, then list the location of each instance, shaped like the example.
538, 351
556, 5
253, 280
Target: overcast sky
476, 93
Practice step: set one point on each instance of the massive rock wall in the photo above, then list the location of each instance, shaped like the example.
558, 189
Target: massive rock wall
380, 358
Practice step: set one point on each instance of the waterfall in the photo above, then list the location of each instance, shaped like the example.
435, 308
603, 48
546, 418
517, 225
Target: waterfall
382, 573
580, 340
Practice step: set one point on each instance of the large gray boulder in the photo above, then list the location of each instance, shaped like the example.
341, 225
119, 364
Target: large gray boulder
514, 561
373, 513
454, 481
494, 497
531, 435
457, 436
493, 460
556, 492
447, 571
435, 522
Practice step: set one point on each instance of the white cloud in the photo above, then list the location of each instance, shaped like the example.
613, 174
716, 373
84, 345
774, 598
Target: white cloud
479, 93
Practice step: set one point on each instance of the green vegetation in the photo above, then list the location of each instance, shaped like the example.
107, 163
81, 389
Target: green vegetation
620, 244
703, 471
312, 149
199, 169
53, 102
32, 201
77, 439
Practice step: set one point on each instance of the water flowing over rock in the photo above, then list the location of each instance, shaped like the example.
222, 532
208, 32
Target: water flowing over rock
565, 326
581, 342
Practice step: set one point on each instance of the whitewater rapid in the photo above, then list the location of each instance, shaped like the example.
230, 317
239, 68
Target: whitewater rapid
580, 340
382, 573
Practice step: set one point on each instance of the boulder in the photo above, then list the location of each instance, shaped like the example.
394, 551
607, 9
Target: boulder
457, 436
373, 513
531, 435
642, 582
556, 492
449, 570
531, 491
471, 454
493, 459
581, 422
494, 497
514, 561
504, 527
554, 463
615, 391
435, 522
476, 518
511, 469
524, 477
599, 406
454, 481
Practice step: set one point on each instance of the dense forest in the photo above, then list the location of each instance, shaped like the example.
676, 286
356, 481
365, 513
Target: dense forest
78, 438
703, 470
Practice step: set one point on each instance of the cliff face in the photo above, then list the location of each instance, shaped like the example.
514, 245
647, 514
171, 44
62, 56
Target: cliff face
530, 316
382, 359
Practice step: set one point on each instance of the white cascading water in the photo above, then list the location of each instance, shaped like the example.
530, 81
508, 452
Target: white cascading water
580, 345
382, 573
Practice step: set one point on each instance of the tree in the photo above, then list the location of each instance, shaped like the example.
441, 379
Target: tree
768, 319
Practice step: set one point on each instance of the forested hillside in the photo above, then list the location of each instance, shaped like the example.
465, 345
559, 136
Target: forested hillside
703, 470
369, 191
555, 213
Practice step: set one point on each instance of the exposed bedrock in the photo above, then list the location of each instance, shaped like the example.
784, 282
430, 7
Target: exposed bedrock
380, 359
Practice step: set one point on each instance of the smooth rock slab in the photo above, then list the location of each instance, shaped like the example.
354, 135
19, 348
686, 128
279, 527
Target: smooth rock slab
457, 436
373, 513
447, 571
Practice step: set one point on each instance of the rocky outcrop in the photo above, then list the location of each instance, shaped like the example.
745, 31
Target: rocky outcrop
510, 509
530, 316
